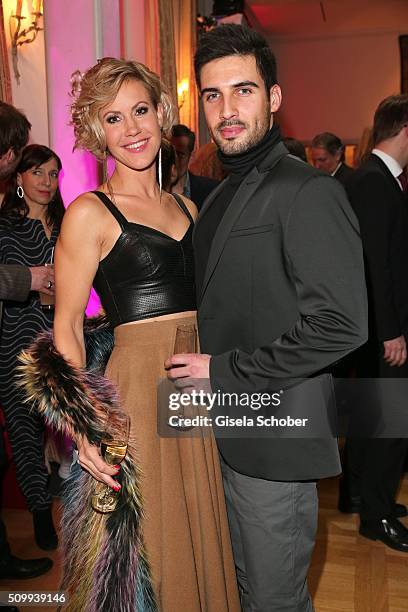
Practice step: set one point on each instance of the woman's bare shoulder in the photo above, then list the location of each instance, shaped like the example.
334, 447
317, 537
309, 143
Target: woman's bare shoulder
86, 207
192, 208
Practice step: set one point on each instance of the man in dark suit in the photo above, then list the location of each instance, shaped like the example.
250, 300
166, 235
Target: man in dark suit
376, 191
281, 295
328, 156
194, 187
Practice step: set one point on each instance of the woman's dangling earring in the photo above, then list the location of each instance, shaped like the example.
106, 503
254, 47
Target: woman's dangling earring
160, 171
20, 192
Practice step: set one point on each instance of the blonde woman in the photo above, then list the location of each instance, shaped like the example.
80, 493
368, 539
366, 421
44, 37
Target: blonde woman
132, 241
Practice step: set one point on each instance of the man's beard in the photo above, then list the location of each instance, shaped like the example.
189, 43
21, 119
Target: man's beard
251, 138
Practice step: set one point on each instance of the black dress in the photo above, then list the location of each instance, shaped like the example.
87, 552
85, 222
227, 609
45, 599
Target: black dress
24, 241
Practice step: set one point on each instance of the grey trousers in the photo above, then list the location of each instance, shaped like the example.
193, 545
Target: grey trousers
273, 528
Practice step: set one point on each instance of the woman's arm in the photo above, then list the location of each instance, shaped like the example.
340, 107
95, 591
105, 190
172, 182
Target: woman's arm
77, 256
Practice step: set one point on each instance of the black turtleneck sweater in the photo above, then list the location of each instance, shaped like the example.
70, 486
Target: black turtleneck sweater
238, 167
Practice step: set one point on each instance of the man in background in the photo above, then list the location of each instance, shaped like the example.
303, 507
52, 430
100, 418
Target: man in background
377, 192
328, 155
14, 133
295, 147
196, 188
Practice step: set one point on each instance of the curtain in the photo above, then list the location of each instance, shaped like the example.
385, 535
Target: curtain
170, 46
5, 81
159, 41
184, 14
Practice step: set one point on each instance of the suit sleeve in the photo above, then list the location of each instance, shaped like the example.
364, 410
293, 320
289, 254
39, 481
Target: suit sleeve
15, 282
324, 255
370, 199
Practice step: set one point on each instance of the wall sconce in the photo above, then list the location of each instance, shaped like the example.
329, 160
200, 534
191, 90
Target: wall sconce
27, 35
182, 89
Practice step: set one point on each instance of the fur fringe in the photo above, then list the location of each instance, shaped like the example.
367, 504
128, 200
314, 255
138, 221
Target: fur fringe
105, 566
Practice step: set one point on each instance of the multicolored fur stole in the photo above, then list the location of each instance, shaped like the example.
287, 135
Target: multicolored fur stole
105, 567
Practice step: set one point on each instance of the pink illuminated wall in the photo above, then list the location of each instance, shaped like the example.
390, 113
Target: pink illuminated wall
77, 33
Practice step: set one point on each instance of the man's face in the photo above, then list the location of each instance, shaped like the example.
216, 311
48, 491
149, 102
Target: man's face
323, 160
8, 163
236, 105
181, 145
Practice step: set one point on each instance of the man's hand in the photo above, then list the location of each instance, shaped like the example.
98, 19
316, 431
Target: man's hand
91, 460
191, 365
395, 351
41, 277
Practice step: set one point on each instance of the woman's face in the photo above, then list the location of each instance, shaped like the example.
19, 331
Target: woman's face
132, 126
39, 183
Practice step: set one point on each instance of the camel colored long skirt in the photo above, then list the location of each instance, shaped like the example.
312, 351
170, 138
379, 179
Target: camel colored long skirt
185, 528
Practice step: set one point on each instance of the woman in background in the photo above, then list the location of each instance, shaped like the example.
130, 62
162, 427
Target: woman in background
30, 220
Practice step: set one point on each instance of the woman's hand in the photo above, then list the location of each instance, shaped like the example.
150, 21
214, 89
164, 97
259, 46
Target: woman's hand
91, 460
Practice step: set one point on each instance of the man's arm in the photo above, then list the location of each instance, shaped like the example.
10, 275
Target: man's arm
324, 250
370, 200
15, 282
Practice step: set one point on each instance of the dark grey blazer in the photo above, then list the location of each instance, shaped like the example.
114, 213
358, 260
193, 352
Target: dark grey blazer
201, 187
15, 283
283, 296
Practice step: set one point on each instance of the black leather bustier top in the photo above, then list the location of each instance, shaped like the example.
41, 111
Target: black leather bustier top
146, 273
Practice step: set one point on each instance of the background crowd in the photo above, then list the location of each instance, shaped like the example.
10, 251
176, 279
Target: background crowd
30, 218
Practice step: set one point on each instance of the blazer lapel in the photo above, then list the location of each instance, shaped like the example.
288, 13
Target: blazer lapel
207, 203
387, 172
236, 206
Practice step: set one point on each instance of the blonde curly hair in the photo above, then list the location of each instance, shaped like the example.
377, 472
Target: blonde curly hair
99, 86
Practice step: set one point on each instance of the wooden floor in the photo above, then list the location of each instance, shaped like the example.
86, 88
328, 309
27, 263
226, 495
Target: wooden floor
348, 574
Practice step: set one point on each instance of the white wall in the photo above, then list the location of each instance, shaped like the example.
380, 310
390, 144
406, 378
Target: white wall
30, 95
334, 84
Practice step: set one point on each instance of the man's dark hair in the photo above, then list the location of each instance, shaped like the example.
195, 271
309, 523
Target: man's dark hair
390, 117
182, 130
330, 142
14, 129
295, 147
232, 39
